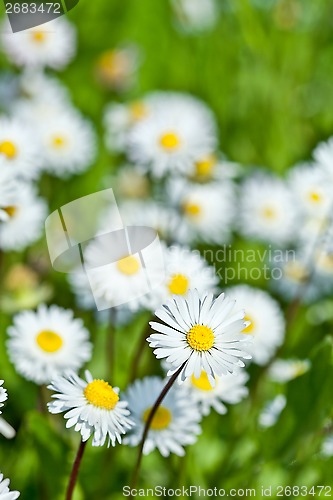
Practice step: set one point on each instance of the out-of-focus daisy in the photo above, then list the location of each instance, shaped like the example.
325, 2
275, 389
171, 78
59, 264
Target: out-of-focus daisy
201, 333
68, 144
35, 85
213, 167
92, 407
272, 411
178, 129
47, 342
5, 493
25, 220
184, 270
267, 210
267, 324
117, 68
228, 388
323, 154
207, 211
3, 394
284, 370
8, 191
175, 423
327, 446
195, 15
311, 190
52, 44
131, 183
18, 148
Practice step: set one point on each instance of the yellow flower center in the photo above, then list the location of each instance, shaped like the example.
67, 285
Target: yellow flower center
99, 393
49, 341
200, 338
38, 36
205, 167
8, 149
161, 419
315, 197
170, 141
178, 284
192, 209
296, 271
269, 213
202, 382
10, 211
137, 110
128, 265
58, 141
251, 326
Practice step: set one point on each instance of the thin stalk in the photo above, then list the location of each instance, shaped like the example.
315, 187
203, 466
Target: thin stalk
139, 352
75, 470
111, 344
151, 415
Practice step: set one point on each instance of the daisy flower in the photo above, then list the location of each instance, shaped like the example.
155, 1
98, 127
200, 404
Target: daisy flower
53, 45
267, 325
8, 191
92, 407
68, 144
178, 129
267, 210
117, 68
327, 446
47, 342
174, 425
272, 411
213, 167
284, 370
228, 388
132, 183
25, 219
323, 155
206, 211
3, 394
200, 333
18, 148
5, 493
194, 16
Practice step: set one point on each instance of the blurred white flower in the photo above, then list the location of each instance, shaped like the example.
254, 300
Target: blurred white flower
47, 342
267, 325
117, 68
8, 191
25, 219
175, 423
52, 44
327, 446
200, 333
284, 370
272, 411
193, 16
92, 407
323, 154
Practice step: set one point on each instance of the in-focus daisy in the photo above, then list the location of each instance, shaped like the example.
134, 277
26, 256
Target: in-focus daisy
25, 219
284, 370
272, 411
267, 210
3, 394
92, 407
267, 325
207, 211
200, 333
228, 388
5, 493
174, 425
47, 342
193, 16
52, 44
178, 129
68, 144
18, 148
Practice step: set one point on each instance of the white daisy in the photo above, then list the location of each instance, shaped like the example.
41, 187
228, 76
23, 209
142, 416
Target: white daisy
8, 191
47, 342
327, 446
5, 493
267, 210
267, 325
206, 211
25, 221
178, 129
200, 333
184, 270
228, 388
53, 44
194, 16
131, 182
117, 68
68, 144
323, 154
35, 85
311, 190
175, 423
272, 411
3, 395
213, 166
18, 148
92, 407
284, 370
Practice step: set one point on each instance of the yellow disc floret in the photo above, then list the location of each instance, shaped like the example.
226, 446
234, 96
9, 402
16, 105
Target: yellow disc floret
161, 419
202, 382
10, 211
58, 141
49, 341
200, 338
250, 327
170, 141
178, 284
205, 167
38, 36
128, 265
8, 149
99, 393
192, 209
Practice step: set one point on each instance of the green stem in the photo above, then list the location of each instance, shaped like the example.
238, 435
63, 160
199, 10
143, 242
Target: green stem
75, 470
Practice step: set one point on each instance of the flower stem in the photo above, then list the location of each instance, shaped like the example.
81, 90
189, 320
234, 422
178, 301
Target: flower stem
75, 470
139, 352
111, 344
151, 415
